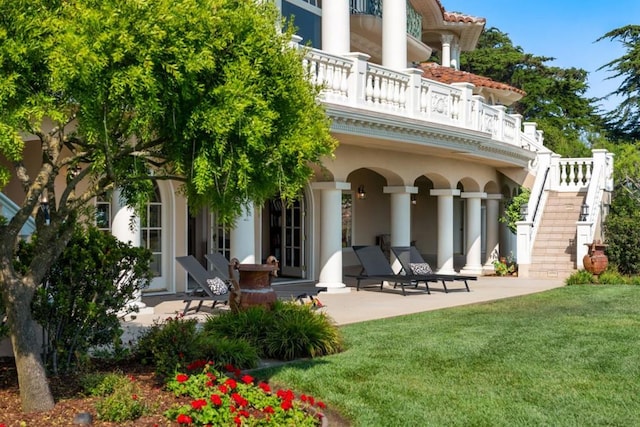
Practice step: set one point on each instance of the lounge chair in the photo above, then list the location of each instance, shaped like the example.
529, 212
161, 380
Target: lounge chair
411, 260
375, 266
203, 292
220, 265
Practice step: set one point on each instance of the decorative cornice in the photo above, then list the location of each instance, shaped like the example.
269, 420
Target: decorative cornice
360, 122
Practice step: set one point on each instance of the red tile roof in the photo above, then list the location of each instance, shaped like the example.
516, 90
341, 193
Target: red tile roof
459, 17
433, 71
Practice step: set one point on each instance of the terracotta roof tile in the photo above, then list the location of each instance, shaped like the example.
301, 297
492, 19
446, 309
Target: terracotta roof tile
433, 71
459, 17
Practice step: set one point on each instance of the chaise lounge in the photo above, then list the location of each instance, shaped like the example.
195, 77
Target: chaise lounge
375, 266
413, 263
202, 277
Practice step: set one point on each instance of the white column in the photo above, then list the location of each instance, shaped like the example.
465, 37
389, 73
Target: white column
331, 235
125, 226
446, 49
493, 233
445, 229
394, 34
242, 238
336, 26
474, 232
400, 216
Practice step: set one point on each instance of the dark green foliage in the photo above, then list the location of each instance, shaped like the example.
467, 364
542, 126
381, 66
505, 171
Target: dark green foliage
512, 212
223, 351
84, 292
623, 120
168, 345
300, 331
286, 332
623, 235
251, 325
555, 97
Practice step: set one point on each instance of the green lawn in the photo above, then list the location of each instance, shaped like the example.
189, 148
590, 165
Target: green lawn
566, 357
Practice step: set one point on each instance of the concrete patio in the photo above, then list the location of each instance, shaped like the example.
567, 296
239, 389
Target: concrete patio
373, 303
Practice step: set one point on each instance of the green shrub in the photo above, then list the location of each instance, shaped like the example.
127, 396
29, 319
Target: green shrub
123, 403
251, 325
223, 351
580, 277
634, 280
99, 383
612, 277
623, 238
168, 345
301, 331
82, 295
512, 212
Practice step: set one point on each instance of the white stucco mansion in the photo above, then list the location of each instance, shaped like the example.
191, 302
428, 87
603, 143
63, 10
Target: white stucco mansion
427, 155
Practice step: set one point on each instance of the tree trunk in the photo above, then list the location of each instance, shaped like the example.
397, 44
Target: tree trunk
35, 394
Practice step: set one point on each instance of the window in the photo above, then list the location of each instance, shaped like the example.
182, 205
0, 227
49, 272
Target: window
151, 231
103, 213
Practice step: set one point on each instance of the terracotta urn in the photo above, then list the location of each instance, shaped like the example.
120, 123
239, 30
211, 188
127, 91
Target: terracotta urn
595, 261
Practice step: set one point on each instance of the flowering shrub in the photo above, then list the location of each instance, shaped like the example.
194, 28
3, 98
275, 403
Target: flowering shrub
221, 400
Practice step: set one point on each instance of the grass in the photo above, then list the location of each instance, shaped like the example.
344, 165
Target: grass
566, 357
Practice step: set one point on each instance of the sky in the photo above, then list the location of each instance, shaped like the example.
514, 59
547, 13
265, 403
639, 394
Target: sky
566, 30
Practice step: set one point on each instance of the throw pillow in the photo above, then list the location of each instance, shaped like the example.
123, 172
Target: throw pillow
217, 286
420, 268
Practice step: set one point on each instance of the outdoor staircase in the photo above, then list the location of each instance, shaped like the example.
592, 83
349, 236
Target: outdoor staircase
554, 254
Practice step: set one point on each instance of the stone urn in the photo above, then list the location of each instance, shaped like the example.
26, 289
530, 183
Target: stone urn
252, 284
595, 261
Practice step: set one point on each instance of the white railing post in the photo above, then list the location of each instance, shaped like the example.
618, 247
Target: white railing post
414, 87
499, 132
358, 78
523, 248
466, 100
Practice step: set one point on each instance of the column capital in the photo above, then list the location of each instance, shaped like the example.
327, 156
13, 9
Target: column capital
445, 192
471, 195
331, 185
401, 189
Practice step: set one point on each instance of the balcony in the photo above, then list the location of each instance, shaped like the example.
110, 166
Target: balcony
351, 80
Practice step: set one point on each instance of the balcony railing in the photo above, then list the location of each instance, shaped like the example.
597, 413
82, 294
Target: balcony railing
374, 7
352, 80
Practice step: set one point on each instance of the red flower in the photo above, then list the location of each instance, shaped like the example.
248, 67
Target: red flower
184, 419
198, 404
223, 389
268, 410
131, 378
303, 397
320, 404
245, 413
182, 378
237, 373
232, 409
216, 400
247, 379
237, 420
196, 365
311, 400
239, 400
286, 405
231, 383
285, 395
211, 376
134, 396
229, 368
265, 387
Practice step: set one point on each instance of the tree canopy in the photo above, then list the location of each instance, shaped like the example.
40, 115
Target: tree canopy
117, 93
624, 120
555, 97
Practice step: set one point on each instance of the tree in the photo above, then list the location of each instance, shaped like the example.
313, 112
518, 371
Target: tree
555, 96
623, 120
117, 93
